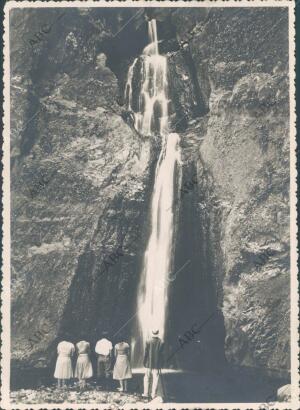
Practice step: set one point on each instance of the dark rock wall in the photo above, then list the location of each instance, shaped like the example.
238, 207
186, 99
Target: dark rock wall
228, 77
241, 60
81, 180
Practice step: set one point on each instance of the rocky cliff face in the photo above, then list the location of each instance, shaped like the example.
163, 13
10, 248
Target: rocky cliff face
81, 180
241, 64
82, 177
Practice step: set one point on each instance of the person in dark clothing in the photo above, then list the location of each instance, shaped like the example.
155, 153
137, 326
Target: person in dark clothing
153, 360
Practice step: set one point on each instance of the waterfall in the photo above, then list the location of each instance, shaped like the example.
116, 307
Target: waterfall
151, 116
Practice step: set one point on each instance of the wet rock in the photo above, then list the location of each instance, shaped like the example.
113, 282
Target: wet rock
182, 90
244, 165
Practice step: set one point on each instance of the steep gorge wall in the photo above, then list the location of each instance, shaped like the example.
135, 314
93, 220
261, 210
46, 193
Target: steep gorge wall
81, 180
241, 61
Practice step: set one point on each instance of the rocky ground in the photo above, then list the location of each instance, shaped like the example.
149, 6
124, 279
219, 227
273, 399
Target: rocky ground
230, 385
53, 395
92, 394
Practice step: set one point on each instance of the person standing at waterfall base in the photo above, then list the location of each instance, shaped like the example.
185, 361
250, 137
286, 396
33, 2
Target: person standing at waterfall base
153, 359
122, 368
104, 361
63, 368
83, 368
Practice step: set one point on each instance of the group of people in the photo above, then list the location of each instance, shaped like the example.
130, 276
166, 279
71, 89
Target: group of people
109, 361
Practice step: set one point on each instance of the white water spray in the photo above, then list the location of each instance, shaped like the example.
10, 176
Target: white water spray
150, 118
152, 114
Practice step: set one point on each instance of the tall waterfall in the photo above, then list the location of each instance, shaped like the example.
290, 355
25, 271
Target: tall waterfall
151, 116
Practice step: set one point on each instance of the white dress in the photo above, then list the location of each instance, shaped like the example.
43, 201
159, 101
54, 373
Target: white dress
122, 369
63, 368
84, 369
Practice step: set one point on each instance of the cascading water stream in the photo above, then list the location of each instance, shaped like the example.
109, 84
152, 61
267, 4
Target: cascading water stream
152, 113
152, 117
